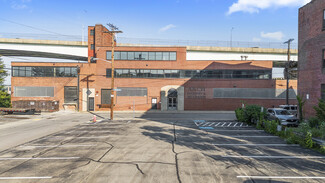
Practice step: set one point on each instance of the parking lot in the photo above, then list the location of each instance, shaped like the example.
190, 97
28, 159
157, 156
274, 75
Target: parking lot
161, 150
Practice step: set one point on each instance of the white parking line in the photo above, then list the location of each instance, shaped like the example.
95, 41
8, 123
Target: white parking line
75, 145
16, 178
205, 124
48, 158
294, 145
235, 125
279, 177
211, 124
278, 157
229, 124
241, 124
223, 124
217, 124
240, 136
238, 130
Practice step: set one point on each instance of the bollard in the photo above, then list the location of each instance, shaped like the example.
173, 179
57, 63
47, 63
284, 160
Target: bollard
94, 119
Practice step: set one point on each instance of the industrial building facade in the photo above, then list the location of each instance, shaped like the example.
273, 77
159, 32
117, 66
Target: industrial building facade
311, 77
146, 78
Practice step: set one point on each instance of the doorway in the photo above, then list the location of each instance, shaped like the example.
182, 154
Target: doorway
91, 106
172, 100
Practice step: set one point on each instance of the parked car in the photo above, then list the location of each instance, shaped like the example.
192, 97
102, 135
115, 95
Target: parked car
293, 109
284, 117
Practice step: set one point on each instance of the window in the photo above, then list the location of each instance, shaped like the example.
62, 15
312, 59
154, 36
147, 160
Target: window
31, 91
106, 96
92, 46
323, 91
196, 74
140, 92
92, 32
129, 55
44, 71
70, 94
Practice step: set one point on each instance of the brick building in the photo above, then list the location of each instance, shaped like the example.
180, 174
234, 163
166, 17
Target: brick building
311, 78
147, 77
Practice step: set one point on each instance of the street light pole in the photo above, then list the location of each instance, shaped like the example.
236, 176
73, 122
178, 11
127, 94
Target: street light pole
287, 70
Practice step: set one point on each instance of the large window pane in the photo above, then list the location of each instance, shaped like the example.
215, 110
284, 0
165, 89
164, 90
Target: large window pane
138, 55
70, 94
117, 55
124, 55
165, 55
130, 55
152, 55
109, 55
159, 55
28, 71
144, 55
172, 55
22, 72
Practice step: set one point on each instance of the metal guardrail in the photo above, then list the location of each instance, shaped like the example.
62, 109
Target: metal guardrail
147, 41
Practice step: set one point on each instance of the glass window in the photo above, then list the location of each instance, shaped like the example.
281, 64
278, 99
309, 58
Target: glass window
22, 72
92, 46
92, 32
159, 55
133, 73
146, 73
152, 55
106, 96
144, 55
131, 55
28, 71
70, 94
109, 55
138, 55
15, 71
124, 55
160, 73
165, 55
74, 72
172, 55
117, 55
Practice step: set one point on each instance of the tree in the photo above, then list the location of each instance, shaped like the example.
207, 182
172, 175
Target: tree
4, 96
3, 73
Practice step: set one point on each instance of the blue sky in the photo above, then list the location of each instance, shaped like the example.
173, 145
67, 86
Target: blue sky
253, 20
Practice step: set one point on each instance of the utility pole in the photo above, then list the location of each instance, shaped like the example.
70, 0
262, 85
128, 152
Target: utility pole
78, 87
287, 70
112, 32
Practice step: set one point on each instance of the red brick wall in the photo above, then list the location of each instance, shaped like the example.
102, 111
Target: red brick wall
311, 44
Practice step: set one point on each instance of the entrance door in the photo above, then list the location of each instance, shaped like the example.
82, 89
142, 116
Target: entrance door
91, 106
172, 99
154, 103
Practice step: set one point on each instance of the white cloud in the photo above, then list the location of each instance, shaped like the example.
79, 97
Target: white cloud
166, 28
254, 6
273, 35
18, 6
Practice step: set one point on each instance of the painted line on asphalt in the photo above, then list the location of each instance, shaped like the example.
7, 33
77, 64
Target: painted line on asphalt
238, 130
229, 124
279, 177
278, 157
98, 137
205, 124
241, 136
280, 145
20, 178
40, 146
211, 124
48, 158
241, 124
235, 124
223, 124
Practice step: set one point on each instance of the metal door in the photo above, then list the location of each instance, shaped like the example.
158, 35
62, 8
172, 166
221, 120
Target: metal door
172, 103
154, 103
91, 106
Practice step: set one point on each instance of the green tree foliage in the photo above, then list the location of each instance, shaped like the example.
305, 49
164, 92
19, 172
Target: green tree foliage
4, 96
320, 110
301, 104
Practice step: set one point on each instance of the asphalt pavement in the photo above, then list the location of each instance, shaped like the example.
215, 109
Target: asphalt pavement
203, 148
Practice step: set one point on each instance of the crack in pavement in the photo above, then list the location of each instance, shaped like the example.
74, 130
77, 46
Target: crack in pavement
176, 154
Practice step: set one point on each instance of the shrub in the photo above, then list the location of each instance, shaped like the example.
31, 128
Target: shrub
252, 113
301, 104
271, 126
4, 99
320, 110
318, 133
314, 122
240, 114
